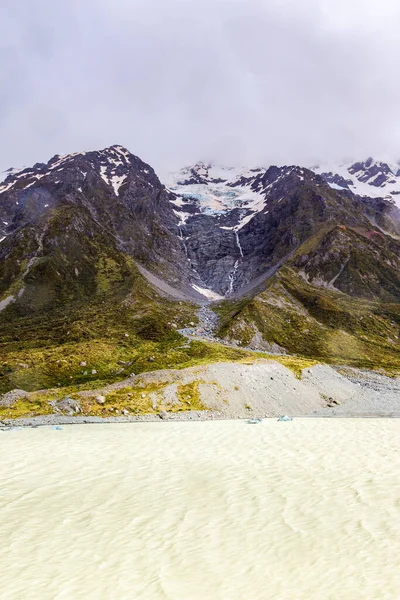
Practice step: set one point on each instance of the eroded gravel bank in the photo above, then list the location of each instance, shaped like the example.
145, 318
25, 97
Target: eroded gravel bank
259, 390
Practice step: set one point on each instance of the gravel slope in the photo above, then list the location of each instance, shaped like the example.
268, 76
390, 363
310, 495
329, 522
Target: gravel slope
264, 388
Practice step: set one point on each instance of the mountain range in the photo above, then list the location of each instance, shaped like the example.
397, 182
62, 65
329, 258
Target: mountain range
292, 259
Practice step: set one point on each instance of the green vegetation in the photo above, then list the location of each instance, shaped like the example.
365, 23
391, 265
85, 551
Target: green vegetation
189, 396
296, 364
85, 317
317, 323
35, 404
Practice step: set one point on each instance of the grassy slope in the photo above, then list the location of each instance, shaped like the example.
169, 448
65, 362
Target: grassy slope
84, 316
318, 323
110, 318
126, 328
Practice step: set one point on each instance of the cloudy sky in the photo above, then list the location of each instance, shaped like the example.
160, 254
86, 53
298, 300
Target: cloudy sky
239, 81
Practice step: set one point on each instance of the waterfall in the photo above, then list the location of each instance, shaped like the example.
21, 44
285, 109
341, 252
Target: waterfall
183, 239
232, 277
238, 243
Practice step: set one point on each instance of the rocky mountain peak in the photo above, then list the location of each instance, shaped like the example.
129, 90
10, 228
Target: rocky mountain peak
370, 177
112, 164
214, 228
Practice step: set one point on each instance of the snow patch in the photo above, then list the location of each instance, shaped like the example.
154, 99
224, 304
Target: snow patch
114, 180
182, 216
178, 202
335, 186
209, 294
117, 181
63, 159
5, 187
103, 175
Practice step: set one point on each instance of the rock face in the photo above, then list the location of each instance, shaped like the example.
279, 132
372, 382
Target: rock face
66, 222
238, 228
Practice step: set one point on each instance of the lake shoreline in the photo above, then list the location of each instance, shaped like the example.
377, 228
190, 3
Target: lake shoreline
195, 417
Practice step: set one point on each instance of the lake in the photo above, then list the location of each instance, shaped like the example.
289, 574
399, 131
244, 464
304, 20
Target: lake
221, 510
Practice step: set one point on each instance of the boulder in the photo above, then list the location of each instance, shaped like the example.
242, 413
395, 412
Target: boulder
68, 405
163, 415
100, 399
10, 398
285, 418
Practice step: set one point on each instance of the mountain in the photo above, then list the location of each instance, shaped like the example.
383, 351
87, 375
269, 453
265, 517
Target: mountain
110, 191
95, 249
365, 178
237, 226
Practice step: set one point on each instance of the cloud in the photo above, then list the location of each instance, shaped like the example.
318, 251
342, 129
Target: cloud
256, 81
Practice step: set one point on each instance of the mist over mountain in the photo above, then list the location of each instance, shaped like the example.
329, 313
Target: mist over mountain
275, 83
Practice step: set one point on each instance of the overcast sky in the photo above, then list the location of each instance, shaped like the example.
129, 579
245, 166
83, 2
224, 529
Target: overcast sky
236, 81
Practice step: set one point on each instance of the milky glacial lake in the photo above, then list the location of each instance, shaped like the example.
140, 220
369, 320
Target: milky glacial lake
306, 510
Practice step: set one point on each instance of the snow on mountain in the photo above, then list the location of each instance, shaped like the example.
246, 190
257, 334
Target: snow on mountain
233, 196
112, 164
215, 229
214, 187
375, 179
216, 191
8, 172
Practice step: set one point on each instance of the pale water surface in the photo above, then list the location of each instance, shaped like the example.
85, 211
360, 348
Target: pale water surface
202, 511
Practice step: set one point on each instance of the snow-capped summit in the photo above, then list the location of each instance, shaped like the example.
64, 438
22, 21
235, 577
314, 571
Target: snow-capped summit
112, 164
372, 178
